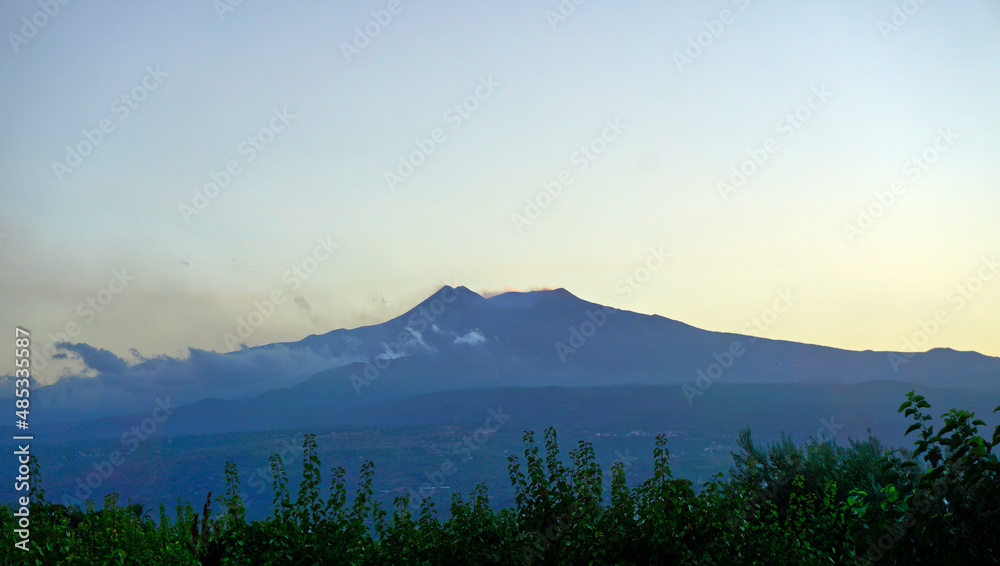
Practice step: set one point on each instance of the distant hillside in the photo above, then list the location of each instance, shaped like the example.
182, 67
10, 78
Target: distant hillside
412, 437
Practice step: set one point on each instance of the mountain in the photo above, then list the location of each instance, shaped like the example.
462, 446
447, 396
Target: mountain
456, 340
418, 391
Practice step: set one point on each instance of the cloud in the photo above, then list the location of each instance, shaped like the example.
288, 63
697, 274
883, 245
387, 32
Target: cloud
418, 340
305, 306
389, 353
486, 293
7, 383
96, 359
472, 338
405, 347
118, 388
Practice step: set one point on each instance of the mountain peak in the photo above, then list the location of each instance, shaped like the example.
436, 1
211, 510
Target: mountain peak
449, 295
522, 300
461, 290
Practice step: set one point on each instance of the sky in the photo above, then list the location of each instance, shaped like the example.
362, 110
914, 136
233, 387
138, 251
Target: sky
168, 170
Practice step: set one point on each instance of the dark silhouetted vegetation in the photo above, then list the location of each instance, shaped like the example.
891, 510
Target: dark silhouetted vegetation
783, 503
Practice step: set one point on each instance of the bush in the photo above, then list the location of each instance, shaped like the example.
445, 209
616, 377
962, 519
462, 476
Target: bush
783, 504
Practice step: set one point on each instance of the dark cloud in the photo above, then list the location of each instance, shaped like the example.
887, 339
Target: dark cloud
302, 302
306, 307
119, 389
96, 359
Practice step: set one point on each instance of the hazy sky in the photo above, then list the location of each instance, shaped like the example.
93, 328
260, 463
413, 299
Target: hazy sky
383, 149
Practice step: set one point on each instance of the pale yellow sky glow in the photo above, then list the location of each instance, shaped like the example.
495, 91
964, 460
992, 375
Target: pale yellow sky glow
168, 171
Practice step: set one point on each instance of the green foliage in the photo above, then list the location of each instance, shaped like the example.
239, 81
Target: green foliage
816, 503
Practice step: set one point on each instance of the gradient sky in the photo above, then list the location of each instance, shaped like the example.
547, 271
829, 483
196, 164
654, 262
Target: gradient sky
556, 84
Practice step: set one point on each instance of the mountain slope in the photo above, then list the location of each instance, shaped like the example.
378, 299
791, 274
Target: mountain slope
457, 340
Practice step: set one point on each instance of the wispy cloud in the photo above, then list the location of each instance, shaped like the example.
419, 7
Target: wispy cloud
118, 386
486, 293
472, 338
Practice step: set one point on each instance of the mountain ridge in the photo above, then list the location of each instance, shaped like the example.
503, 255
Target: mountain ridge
457, 339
